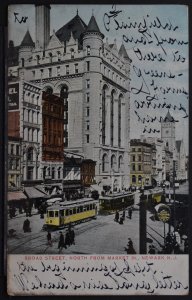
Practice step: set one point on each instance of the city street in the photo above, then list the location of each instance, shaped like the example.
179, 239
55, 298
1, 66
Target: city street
97, 236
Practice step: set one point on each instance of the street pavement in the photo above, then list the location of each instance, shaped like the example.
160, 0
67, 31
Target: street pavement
97, 236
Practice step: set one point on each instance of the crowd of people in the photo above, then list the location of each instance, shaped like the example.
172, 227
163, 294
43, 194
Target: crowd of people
120, 218
64, 240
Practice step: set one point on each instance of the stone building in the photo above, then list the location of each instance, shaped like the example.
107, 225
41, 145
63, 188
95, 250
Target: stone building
92, 76
176, 147
141, 163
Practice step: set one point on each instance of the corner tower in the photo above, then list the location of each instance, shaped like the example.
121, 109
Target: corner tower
168, 132
42, 25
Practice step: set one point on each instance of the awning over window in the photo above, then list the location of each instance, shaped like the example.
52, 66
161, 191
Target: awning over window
33, 193
12, 196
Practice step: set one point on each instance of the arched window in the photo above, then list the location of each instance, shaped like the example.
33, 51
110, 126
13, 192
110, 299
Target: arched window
49, 90
53, 173
139, 179
120, 163
64, 92
119, 121
105, 163
133, 179
59, 173
103, 114
167, 144
113, 162
44, 172
112, 118
30, 154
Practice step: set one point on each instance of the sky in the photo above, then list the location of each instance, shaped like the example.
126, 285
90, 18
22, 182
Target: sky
155, 37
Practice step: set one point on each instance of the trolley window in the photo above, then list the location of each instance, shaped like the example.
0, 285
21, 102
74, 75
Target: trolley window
81, 208
67, 212
91, 206
51, 214
70, 212
74, 210
62, 213
78, 210
56, 213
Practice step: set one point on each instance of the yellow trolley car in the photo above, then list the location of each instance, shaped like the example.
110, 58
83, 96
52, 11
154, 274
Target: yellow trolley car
74, 212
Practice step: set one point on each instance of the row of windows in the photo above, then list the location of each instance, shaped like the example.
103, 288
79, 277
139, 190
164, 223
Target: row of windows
48, 171
111, 75
113, 163
30, 97
136, 158
31, 116
139, 167
72, 211
14, 164
136, 149
31, 134
14, 149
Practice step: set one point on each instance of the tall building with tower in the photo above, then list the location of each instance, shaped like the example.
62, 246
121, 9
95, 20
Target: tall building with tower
92, 76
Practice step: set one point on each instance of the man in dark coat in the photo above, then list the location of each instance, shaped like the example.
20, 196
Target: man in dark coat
49, 238
61, 242
72, 236
117, 216
130, 213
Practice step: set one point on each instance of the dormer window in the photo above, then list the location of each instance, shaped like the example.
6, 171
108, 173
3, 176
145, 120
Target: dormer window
59, 56
72, 53
50, 57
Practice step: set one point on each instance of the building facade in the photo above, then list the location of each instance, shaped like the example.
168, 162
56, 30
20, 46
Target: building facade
92, 77
141, 163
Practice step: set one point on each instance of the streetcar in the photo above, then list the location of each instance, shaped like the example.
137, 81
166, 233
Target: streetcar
74, 212
117, 201
155, 196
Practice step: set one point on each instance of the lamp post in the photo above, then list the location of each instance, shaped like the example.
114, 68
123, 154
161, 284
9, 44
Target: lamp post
174, 207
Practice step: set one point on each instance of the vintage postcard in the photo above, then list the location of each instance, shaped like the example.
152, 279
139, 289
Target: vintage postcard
97, 171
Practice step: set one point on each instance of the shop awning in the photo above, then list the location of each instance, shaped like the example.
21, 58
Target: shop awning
33, 193
16, 196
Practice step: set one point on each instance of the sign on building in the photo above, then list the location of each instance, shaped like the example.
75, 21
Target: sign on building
13, 96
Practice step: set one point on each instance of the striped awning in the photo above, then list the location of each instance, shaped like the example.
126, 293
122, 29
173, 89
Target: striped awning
12, 196
33, 193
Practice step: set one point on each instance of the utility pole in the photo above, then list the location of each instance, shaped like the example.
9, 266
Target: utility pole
142, 225
174, 208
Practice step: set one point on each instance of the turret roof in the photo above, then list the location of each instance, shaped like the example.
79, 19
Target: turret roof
27, 40
92, 26
123, 52
76, 26
168, 118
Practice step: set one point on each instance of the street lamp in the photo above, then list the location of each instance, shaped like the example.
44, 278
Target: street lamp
174, 207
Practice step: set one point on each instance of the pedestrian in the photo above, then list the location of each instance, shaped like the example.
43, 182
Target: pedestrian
121, 220
67, 239
130, 243
61, 242
26, 226
130, 213
123, 214
72, 236
151, 249
49, 240
117, 216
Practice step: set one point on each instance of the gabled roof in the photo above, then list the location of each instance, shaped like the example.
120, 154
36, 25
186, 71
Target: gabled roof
77, 26
169, 118
123, 52
27, 40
